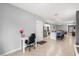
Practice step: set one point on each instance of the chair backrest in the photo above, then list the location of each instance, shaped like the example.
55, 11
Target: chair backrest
32, 38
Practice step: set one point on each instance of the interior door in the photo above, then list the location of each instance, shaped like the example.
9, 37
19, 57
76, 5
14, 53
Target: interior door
39, 30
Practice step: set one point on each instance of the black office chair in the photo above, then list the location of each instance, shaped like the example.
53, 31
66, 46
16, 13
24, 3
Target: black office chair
31, 42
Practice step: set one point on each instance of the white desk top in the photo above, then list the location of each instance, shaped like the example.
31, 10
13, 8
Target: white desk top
25, 38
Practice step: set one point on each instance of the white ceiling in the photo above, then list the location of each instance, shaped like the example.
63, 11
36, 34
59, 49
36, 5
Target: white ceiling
59, 13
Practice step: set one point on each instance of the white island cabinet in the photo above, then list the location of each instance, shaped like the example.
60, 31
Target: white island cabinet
53, 35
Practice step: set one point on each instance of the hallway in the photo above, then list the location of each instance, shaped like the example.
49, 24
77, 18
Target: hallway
63, 47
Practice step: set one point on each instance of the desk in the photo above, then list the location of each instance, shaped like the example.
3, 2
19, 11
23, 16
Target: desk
23, 45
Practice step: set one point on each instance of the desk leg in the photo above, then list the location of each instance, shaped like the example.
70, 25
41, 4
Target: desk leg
36, 45
23, 46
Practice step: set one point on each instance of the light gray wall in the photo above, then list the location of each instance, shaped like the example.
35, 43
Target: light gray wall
62, 27
11, 19
54, 27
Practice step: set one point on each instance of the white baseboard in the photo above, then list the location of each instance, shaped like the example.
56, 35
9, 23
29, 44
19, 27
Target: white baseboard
11, 51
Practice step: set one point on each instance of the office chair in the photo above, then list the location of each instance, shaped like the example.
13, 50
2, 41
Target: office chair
31, 42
